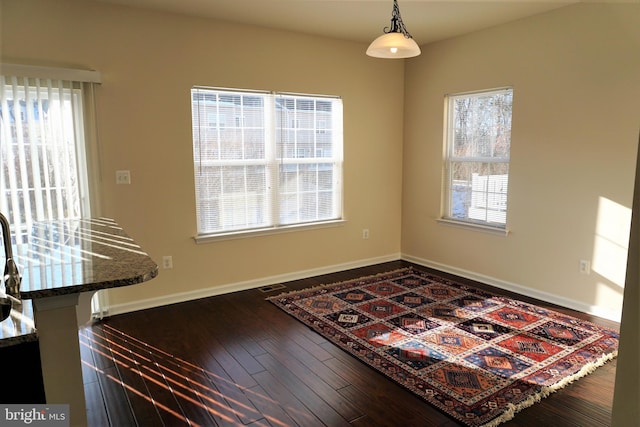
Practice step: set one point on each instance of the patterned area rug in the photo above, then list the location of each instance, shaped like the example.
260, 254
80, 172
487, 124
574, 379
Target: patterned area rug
477, 356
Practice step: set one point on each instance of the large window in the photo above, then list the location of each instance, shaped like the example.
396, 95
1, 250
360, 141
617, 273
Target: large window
265, 160
478, 140
42, 150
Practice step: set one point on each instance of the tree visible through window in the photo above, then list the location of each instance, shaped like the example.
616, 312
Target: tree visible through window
264, 160
478, 139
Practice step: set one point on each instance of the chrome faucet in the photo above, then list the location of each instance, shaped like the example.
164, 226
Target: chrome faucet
11, 273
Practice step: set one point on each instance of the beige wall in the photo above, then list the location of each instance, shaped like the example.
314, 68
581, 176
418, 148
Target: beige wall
576, 79
575, 73
576, 116
149, 61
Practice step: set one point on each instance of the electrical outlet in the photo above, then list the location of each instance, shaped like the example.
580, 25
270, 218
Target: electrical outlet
167, 261
365, 233
585, 266
123, 177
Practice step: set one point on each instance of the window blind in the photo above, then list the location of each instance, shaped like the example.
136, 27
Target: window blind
41, 136
265, 160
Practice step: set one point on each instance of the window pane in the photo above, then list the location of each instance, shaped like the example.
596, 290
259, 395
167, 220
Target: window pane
232, 197
306, 192
479, 191
481, 125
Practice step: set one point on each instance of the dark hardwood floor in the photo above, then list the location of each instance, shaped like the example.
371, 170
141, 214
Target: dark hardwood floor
237, 360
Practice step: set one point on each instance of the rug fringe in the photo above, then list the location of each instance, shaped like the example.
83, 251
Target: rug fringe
512, 409
326, 285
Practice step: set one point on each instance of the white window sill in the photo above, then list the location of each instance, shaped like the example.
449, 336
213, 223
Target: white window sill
474, 226
243, 234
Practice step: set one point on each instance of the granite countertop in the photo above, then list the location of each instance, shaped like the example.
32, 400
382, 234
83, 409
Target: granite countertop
68, 257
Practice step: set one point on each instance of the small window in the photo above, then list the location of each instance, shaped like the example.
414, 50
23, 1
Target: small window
478, 141
272, 168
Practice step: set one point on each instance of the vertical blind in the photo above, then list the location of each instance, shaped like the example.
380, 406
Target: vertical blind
264, 160
41, 149
44, 156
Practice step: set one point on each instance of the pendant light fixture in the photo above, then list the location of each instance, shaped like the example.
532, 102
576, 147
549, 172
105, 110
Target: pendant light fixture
396, 42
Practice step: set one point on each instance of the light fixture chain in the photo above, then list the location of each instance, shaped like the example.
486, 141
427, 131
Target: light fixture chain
397, 26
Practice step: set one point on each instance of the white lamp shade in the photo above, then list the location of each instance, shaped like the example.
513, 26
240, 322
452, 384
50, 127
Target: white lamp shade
393, 45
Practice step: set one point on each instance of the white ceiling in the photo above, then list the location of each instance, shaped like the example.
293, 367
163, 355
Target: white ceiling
360, 20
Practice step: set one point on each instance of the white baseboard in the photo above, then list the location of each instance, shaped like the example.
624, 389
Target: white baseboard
241, 286
522, 290
303, 274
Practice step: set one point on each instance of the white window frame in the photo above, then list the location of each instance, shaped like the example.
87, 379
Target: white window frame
484, 205
275, 162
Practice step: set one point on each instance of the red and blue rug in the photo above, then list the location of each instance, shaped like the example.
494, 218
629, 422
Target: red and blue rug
477, 356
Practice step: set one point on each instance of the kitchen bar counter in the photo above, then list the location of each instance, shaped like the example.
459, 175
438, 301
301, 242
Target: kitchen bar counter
58, 261
69, 257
